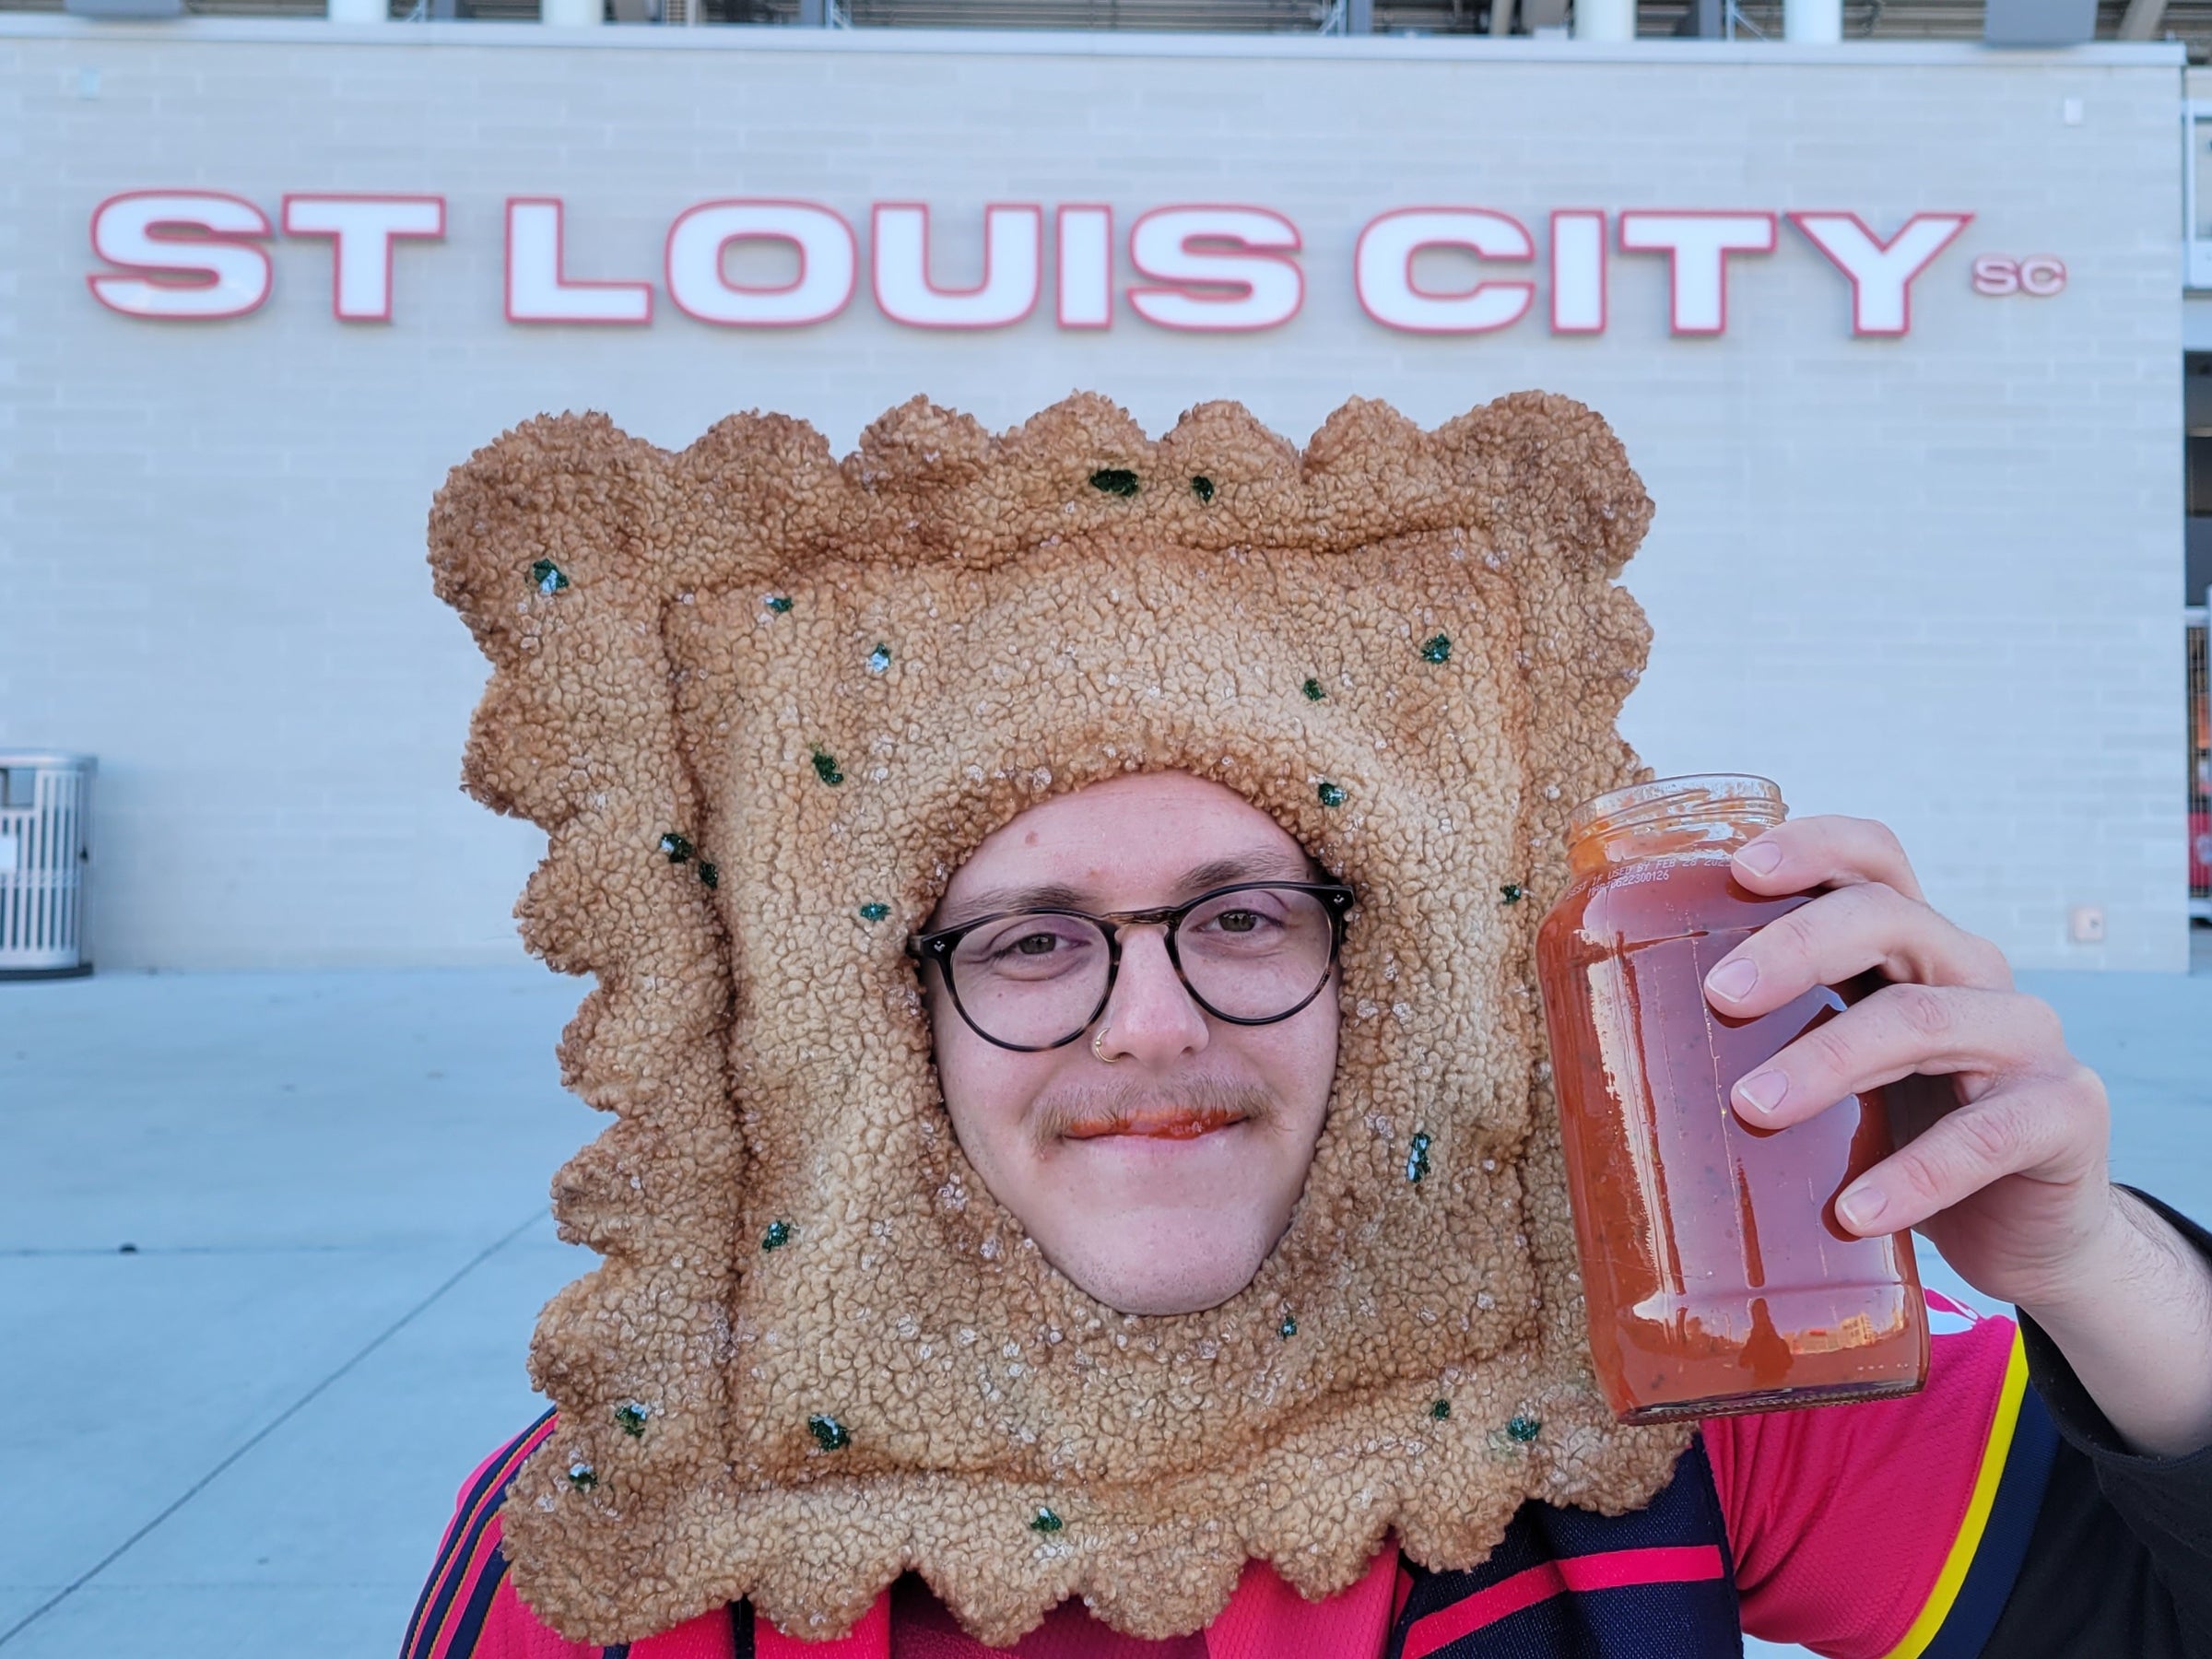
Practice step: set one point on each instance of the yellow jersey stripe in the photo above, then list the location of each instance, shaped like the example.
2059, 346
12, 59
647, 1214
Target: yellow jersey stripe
1944, 1594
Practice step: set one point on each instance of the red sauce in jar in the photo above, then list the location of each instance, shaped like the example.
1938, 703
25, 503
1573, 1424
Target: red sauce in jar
1716, 1276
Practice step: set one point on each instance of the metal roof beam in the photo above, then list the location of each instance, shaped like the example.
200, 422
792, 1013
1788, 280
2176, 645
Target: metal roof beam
2142, 20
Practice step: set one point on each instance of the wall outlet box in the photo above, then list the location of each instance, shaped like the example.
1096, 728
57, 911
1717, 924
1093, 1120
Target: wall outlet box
2085, 924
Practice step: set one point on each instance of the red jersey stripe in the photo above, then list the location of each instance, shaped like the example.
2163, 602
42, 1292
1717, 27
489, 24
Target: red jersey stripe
1664, 1564
450, 1579
1616, 1570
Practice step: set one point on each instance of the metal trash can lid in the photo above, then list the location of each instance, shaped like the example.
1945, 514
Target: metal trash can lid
47, 761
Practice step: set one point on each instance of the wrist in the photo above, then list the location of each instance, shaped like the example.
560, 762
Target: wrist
2133, 1319
2117, 1247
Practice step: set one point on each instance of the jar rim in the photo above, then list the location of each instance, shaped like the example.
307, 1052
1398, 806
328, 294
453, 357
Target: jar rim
1689, 794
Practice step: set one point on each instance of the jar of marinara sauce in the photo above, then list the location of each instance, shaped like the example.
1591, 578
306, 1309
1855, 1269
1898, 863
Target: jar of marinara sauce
1717, 1276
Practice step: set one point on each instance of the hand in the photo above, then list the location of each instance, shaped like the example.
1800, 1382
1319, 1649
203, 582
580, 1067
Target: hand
2001, 1133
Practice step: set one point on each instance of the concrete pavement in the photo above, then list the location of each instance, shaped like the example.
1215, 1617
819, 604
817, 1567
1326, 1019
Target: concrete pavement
270, 1251
271, 1247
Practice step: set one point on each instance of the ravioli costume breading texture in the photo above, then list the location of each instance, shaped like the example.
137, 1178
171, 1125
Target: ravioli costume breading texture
764, 702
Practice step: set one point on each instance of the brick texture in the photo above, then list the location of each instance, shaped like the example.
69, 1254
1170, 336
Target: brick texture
1932, 579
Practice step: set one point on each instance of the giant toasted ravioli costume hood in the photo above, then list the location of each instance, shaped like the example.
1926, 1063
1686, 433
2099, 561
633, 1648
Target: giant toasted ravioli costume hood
764, 702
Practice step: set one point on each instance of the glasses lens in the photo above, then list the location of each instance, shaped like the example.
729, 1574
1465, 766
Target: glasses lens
1258, 952
1032, 980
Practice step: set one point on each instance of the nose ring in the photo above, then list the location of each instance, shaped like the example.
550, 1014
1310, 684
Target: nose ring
1097, 1048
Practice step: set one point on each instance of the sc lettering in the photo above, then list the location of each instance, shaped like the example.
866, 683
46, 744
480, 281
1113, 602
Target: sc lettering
2038, 275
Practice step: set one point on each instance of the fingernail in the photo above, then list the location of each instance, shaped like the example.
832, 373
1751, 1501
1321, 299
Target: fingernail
1760, 858
1861, 1207
1762, 1092
1734, 980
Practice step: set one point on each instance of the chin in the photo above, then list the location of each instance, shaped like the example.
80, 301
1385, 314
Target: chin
1187, 1275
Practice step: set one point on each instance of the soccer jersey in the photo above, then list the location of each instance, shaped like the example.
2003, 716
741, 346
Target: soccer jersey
1994, 1513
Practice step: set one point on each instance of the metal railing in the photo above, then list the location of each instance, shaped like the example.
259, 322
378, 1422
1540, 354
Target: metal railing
1862, 20
2200, 763
2188, 20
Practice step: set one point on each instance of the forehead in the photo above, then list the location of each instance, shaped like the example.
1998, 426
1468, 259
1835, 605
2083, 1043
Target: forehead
1138, 831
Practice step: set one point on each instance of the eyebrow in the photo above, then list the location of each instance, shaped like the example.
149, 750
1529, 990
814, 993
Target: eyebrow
1268, 865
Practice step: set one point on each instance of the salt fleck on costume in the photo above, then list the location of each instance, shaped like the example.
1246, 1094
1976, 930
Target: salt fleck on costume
764, 702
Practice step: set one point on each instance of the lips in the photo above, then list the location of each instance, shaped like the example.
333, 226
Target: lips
1179, 1123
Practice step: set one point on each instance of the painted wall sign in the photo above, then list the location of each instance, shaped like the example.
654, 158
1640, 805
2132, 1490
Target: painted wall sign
197, 254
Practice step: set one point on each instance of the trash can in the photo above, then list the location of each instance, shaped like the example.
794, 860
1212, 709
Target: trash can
45, 849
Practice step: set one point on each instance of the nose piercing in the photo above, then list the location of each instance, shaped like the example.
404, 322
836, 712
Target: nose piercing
1097, 1048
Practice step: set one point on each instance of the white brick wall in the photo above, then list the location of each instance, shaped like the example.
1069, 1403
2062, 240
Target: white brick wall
1931, 579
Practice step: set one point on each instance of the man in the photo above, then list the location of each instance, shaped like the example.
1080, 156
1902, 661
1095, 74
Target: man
1208, 1336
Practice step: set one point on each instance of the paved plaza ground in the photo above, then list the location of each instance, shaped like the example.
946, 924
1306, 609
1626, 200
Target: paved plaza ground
271, 1246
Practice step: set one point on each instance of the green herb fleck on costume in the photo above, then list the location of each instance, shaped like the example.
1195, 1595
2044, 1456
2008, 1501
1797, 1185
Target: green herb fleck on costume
711, 876
581, 1475
1203, 488
1524, 1428
547, 577
1046, 1521
632, 1415
1331, 794
677, 847
1437, 649
1289, 1328
873, 912
828, 1434
1513, 892
879, 659
1416, 1159
1312, 690
776, 1236
1115, 481
825, 767
778, 602
1440, 1411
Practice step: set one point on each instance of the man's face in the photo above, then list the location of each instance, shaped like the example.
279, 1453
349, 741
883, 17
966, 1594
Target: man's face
1212, 1124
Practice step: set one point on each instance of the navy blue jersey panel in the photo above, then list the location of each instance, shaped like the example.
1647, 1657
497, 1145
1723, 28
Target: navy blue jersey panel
1565, 1583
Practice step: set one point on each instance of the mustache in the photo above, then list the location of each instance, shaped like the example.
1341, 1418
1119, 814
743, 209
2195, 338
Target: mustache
1103, 1108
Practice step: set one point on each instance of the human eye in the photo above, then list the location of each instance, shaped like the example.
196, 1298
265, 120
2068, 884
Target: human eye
1029, 947
1253, 917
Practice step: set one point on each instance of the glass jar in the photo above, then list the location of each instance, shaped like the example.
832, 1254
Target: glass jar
1717, 1277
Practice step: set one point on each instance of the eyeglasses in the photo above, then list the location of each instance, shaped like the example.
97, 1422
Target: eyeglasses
1248, 955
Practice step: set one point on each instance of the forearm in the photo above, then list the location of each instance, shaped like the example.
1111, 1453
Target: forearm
2135, 1327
